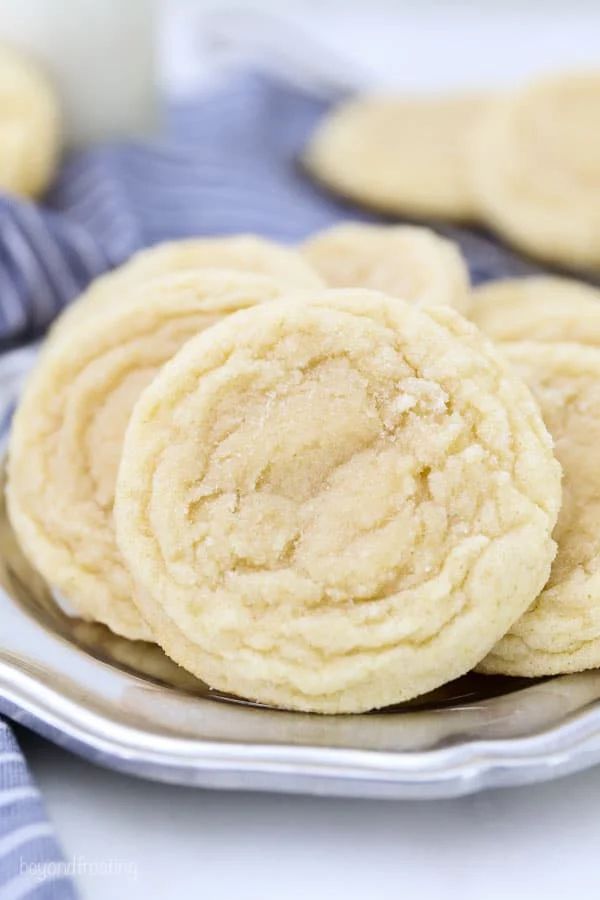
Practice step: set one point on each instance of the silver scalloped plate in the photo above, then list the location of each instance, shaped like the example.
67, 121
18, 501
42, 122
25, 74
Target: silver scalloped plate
126, 705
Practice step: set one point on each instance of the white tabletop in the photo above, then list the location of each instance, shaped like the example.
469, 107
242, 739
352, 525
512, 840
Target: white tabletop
519, 843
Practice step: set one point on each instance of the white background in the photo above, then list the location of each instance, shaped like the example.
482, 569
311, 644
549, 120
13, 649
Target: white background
519, 843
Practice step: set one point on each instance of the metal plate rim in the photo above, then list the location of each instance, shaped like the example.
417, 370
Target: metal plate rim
448, 771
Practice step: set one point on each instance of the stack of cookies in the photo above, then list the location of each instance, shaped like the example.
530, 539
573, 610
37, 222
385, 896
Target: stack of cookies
526, 164
309, 478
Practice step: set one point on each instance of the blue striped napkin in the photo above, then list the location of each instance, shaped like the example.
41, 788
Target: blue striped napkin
31, 862
230, 164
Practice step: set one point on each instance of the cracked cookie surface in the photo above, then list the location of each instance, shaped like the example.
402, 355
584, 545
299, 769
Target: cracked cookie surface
399, 155
243, 253
535, 169
403, 261
538, 308
561, 631
335, 503
67, 434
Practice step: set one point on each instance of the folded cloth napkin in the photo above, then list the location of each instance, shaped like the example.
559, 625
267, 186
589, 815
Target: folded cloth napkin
229, 164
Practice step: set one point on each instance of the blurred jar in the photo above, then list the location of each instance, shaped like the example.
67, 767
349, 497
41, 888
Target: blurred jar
100, 55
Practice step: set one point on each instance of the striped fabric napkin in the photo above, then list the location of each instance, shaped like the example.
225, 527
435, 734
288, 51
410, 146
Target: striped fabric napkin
229, 164
31, 862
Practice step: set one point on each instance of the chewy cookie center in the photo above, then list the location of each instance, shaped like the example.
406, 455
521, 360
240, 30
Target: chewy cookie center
335, 480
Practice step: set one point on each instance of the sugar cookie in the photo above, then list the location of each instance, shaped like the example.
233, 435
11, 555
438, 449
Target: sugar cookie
401, 260
540, 308
66, 438
245, 253
335, 503
399, 155
561, 631
536, 169
29, 126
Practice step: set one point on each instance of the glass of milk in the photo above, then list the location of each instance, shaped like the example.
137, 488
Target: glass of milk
100, 55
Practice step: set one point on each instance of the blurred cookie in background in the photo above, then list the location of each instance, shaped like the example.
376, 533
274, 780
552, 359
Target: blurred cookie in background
405, 261
399, 155
536, 169
29, 126
540, 308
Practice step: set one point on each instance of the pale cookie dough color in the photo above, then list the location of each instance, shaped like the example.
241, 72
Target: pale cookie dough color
401, 260
244, 253
540, 308
67, 434
336, 503
561, 631
29, 126
399, 155
536, 169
